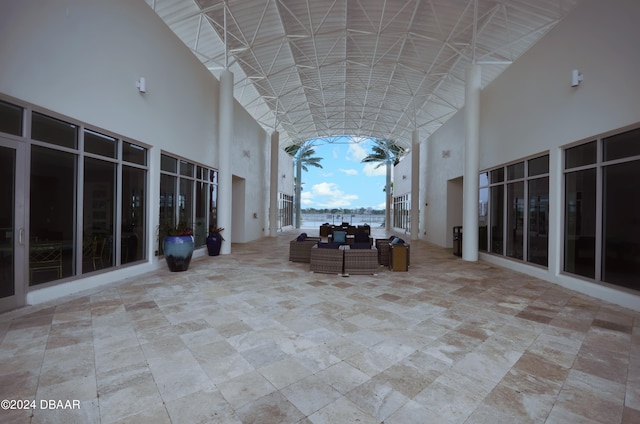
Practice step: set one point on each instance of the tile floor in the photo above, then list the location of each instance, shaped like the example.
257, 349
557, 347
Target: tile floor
252, 338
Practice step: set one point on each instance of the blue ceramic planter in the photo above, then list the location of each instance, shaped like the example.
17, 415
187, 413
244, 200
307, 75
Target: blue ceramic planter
177, 252
214, 242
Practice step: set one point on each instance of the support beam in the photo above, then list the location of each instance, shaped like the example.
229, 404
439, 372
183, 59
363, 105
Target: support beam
415, 185
273, 185
470, 186
225, 140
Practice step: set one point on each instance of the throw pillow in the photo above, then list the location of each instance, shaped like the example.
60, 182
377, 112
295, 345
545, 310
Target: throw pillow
339, 237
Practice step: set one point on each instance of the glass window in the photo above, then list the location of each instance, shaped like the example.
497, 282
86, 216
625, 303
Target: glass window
497, 219
539, 166
10, 119
497, 175
168, 164
133, 153
99, 144
515, 220
515, 171
622, 145
186, 168
54, 131
483, 219
133, 228
580, 222
52, 215
538, 240
585, 154
213, 205
7, 221
99, 214
167, 206
201, 230
621, 225
185, 202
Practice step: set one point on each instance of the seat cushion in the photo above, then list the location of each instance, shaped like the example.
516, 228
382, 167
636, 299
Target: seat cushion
361, 238
333, 245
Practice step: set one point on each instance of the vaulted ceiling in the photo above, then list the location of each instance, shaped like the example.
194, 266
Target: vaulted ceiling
363, 68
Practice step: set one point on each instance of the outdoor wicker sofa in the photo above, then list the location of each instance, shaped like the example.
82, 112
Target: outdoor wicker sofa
327, 260
300, 250
361, 261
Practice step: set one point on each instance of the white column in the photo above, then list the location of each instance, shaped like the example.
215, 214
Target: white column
415, 185
273, 186
225, 140
470, 195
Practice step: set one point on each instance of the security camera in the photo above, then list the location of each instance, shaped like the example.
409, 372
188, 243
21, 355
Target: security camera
576, 77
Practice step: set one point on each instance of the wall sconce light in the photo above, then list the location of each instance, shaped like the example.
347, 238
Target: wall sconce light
142, 85
246, 153
446, 153
576, 78
284, 175
404, 177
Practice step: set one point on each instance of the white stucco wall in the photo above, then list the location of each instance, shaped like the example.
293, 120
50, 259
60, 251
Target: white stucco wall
403, 168
444, 162
82, 58
532, 109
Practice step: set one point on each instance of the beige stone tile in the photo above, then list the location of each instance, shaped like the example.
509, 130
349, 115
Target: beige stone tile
603, 363
245, 389
284, 372
450, 340
310, 394
343, 377
208, 406
341, 411
377, 398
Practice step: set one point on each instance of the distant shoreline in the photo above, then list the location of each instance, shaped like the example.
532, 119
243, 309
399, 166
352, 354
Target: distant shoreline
313, 220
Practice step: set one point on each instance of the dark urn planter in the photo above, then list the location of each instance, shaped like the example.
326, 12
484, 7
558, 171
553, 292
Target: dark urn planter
178, 251
214, 241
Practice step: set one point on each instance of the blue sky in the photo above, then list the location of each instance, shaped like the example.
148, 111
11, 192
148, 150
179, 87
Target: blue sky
344, 181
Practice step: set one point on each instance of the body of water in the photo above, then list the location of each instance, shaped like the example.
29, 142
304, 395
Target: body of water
315, 220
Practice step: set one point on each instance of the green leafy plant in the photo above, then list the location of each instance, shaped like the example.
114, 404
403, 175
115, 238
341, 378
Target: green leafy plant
171, 229
217, 230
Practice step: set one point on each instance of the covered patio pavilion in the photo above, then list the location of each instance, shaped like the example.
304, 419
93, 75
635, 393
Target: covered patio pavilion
250, 337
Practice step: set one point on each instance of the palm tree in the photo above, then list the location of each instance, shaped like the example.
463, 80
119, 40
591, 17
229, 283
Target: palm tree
303, 157
385, 152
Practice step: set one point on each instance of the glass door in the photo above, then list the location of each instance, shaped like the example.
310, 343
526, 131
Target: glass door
12, 232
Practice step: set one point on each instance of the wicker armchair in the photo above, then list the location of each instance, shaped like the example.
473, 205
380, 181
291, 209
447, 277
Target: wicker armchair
327, 261
300, 251
382, 246
361, 261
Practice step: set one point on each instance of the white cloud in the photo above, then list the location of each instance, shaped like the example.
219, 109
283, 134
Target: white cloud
370, 170
356, 152
306, 198
330, 196
349, 171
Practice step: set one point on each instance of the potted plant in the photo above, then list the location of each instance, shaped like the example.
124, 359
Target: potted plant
214, 241
177, 246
